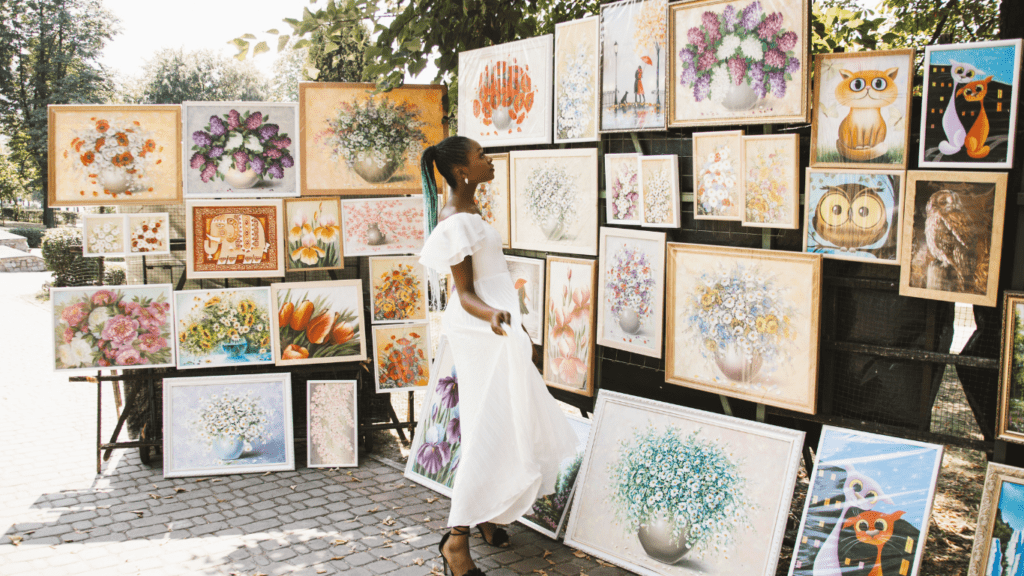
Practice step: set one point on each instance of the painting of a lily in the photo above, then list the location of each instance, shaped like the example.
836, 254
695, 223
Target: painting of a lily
313, 233
569, 324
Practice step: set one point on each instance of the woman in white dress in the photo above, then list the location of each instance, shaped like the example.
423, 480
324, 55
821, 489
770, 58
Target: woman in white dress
514, 435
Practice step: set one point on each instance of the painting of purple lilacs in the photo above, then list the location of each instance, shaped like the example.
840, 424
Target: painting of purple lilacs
436, 448
332, 424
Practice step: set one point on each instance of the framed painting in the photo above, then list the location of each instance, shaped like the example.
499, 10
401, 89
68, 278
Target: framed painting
744, 323
238, 424
492, 198
728, 515
314, 234
112, 327
103, 235
240, 149
577, 94
332, 424
234, 239
337, 155
554, 200
953, 236
969, 105
569, 324
149, 234
528, 279
659, 191
506, 95
114, 155
854, 214
633, 52
771, 181
717, 175
868, 505
550, 511
622, 185
631, 290
223, 327
1010, 418
997, 541
398, 289
318, 322
738, 62
862, 109
437, 443
378, 226
402, 356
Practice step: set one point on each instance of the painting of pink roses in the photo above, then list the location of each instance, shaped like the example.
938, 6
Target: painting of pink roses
376, 226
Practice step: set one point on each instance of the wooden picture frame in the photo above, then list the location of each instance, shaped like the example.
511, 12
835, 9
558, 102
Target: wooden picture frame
398, 289
1002, 482
313, 234
577, 80
771, 155
247, 229
332, 423
1013, 325
718, 175
563, 186
620, 22
318, 322
623, 202
401, 356
493, 199
631, 291
569, 335
659, 191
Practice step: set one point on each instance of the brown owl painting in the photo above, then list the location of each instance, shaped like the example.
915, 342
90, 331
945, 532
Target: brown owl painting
854, 214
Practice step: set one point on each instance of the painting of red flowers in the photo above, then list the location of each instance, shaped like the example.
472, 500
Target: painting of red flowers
402, 358
318, 322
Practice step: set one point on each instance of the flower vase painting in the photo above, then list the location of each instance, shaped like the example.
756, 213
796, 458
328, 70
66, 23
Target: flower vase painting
506, 93
633, 50
738, 62
492, 199
718, 175
234, 424
631, 290
622, 185
234, 239
854, 214
437, 444
149, 234
357, 141
313, 228
744, 323
223, 327
240, 149
112, 327
103, 235
868, 505
659, 191
569, 339
377, 226
332, 424
114, 155
318, 322
401, 356
771, 181
667, 490
577, 98
998, 540
550, 511
528, 280
554, 200
398, 289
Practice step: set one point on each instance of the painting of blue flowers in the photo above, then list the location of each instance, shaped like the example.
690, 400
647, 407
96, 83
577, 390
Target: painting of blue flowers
576, 87
670, 490
999, 539
436, 448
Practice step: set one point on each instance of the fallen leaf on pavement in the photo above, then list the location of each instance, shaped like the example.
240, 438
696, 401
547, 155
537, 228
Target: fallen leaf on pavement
605, 564
179, 489
154, 496
266, 473
321, 571
580, 554
354, 479
293, 486
418, 561
541, 572
220, 480
339, 542
388, 521
546, 553
375, 509
16, 540
138, 513
431, 500
337, 557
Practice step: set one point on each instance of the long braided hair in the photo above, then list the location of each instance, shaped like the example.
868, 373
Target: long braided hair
445, 155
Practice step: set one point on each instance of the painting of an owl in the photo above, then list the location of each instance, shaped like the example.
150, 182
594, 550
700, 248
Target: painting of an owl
958, 235
854, 214
851, 216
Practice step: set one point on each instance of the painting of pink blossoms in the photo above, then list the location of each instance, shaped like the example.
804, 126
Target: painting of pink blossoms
436, 448
332, 424
376, 226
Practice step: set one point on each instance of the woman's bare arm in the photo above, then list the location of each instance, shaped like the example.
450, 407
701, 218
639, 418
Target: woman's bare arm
463, 274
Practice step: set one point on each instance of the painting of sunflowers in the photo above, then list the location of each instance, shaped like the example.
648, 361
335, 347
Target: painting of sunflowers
223, 327
398, 289
403, 356
313, 234
318, 322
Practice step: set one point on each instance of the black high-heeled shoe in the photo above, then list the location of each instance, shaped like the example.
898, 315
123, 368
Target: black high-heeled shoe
499, 537
440, 549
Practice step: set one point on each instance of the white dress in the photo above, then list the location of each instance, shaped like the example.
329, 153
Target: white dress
514, 435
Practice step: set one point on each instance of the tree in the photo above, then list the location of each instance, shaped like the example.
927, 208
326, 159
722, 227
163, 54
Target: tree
649, 33
13, 182
289, 70
174, 76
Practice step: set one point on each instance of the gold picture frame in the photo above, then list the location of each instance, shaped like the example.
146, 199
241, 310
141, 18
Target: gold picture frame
569, 358
216, 255
1013, 314
997, 476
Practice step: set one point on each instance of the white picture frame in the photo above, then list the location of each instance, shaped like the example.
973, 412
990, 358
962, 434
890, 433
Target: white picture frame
659, 177
647, 337
622, 177
577, 61
319, 428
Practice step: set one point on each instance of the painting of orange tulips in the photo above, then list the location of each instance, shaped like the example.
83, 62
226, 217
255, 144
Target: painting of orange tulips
318, 322
313, 234
398, 289
402, 360
569, 325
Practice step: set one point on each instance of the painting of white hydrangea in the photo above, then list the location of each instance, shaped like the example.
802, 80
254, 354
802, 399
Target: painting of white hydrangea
103, 235
622, 185
576, 97
717, 175
554, 200
631, 290
332, 424
659, 191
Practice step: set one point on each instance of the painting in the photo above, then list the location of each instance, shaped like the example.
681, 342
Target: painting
854, 214
377, 226
357, 141
554, 200
112, 327
506, 93
659, 191
631, 290
744, 323
862, 109
234, 239
528, 280
569, 324
149, 234
550, 511
398, 289
738, 62
332, 424
969, 105
492, 199
318, 322
731, 485
240, 149
437, 444
238, 424
314, 234
998, 541
103, 235
717, 175
114, 155
622, 186
1010, 418
771, 181
953, 236
223, 327
868, 505
577, 99
402, 356
633, 48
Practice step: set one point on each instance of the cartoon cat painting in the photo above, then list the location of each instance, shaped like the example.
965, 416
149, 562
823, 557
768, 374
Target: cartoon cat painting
976, 136
955, 134
865, 93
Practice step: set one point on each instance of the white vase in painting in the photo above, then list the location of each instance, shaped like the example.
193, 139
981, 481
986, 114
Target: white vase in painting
237, 179
657, 539
113, 181
228, 447
737, 364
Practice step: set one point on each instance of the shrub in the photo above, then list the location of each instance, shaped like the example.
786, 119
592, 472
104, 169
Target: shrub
33, 235
63, 218
115, 274
62, 253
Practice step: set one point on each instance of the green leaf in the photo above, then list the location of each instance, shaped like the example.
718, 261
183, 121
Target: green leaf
249, 36
282, 42
260, 49
313, 72
273, 31
303, 43
241, 44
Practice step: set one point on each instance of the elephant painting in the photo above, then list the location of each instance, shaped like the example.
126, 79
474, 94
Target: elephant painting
235, 235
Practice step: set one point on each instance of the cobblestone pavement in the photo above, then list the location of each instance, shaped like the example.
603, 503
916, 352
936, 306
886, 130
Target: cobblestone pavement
57, 517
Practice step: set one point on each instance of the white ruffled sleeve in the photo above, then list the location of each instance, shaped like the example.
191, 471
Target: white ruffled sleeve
453, 239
